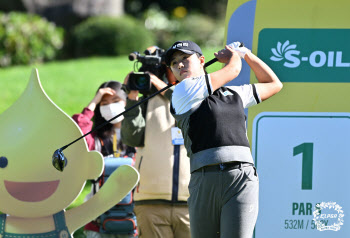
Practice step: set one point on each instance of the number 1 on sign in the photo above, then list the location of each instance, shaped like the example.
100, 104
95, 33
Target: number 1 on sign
307, 150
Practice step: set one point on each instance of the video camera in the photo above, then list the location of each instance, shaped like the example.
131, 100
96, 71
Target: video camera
153, 62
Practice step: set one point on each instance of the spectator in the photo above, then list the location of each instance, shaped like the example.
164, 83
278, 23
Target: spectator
108, 102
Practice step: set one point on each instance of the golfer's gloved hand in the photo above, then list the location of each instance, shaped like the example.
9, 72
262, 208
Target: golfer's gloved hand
241, 50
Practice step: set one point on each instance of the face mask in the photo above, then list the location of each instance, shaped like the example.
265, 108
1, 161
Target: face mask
111, 110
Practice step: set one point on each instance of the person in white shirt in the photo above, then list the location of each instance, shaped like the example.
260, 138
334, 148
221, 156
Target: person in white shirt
224, 185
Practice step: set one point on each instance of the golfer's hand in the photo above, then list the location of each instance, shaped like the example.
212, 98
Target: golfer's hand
241, 50
226, 55
133, 94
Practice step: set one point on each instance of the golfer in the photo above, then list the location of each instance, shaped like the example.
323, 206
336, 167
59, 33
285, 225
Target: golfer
224, 185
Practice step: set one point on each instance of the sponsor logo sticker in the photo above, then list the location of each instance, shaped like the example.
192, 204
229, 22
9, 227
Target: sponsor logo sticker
307, 55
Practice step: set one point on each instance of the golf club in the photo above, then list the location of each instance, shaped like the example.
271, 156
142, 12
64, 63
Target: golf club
59, 161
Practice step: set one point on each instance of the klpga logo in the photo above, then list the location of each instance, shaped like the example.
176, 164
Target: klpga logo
293, 57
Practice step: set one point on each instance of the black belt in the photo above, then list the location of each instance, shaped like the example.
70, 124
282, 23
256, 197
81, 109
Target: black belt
223, 166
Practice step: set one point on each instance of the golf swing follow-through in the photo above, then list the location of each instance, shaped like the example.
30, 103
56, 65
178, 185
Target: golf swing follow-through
213, 123
224, 185
59, 161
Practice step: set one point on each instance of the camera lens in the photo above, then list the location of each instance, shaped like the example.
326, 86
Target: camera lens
141, 82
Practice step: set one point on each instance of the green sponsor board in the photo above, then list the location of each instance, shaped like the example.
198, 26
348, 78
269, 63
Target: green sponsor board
307, 55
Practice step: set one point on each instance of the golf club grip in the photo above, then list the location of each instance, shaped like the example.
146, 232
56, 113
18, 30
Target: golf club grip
212, 61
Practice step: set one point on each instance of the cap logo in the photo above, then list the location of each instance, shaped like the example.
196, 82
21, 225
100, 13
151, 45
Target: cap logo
180, 45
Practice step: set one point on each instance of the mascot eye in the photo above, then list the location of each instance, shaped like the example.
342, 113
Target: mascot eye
3, 162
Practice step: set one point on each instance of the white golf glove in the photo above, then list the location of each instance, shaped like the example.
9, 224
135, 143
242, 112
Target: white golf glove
241, 50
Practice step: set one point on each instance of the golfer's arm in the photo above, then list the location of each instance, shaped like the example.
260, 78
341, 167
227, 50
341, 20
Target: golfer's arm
229, 72
269, 84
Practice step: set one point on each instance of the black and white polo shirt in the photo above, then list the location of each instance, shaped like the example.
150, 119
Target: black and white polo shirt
213, 123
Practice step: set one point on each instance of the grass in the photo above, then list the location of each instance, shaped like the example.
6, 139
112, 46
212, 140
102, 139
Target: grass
71, 84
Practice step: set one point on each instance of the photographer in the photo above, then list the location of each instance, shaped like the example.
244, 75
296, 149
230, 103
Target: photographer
161, 195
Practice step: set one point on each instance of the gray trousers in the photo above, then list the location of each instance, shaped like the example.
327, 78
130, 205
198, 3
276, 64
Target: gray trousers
223, 203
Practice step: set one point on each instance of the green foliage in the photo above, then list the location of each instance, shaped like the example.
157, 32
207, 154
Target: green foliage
26, 38
202, 29
72, 84
212, 8
104, 35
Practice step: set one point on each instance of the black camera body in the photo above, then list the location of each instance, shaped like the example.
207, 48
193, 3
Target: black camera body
152, 62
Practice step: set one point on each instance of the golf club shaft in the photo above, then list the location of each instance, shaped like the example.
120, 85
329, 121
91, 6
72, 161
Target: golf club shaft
130, 108
212, 61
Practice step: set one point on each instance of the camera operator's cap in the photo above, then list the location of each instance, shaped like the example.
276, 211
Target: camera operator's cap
186, 46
